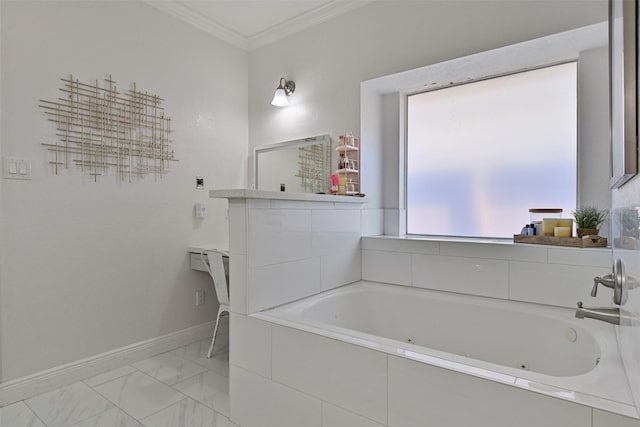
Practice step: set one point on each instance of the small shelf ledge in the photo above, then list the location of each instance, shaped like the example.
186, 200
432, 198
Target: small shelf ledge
243, 193
347, 171
346, 148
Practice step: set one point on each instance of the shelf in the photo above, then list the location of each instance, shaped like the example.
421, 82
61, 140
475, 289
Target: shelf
346, 148
574, 242
349, 165
244, 193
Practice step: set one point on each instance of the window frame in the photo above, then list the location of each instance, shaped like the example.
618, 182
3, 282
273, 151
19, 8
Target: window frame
405, 141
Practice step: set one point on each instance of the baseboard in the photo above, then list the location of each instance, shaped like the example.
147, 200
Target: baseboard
50, 379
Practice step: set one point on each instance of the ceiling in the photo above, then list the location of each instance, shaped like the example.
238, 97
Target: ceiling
251, 24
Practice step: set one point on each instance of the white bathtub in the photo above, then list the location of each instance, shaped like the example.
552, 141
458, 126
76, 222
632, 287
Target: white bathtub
539, 348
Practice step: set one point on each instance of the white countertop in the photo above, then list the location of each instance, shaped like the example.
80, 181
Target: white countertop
199, 247
245, 193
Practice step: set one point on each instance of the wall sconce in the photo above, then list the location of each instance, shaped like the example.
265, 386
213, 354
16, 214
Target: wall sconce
285, 88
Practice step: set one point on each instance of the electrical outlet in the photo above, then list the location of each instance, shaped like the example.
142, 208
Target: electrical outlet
199, 297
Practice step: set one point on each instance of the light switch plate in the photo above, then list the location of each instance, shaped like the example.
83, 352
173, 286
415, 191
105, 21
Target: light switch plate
200, 210
16, 168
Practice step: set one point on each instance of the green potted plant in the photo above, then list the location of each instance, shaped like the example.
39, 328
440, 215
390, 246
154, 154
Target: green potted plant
588, 219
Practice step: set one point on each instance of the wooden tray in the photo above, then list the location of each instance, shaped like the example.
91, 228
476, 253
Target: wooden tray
574, 242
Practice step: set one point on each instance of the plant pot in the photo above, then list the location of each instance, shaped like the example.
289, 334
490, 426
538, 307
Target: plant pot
586, 232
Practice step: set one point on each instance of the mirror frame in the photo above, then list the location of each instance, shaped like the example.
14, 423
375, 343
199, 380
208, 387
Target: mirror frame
296, 143
623, 93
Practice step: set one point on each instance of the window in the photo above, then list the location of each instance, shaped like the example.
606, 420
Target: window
479, 155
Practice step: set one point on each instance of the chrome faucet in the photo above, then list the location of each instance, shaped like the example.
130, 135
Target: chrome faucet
620, 283
615, 281
606, 280
609, 315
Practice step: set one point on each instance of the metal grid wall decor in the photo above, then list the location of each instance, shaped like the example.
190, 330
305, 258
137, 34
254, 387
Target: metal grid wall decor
313, 163
99, 128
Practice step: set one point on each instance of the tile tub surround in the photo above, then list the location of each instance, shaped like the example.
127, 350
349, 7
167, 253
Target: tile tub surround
286, 246
539, 274
280, 376
297, 378
483, 337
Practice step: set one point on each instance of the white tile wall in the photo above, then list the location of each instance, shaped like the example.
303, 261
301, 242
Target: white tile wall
339, 269
238, 283
298, 204
330, 243
258, 203
588, 258
607, 419
277, 284
394, 244
250, 344
284, 377
421, 395
336, 372
556, 284
278, 235
372, 221
283, 250
333, 416
538, 274
300, 379
528, 253
478, 276
340, 257
336, 221
388, 267
237, 226
259, 402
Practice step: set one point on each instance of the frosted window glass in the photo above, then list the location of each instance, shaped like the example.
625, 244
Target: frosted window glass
480, 155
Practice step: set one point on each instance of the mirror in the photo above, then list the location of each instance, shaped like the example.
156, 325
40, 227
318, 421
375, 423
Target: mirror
300, 166
623, 91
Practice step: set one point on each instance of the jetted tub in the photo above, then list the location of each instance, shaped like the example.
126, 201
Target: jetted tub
539, 348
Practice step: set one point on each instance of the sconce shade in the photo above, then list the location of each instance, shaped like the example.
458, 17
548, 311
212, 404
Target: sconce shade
280, 98
285, 88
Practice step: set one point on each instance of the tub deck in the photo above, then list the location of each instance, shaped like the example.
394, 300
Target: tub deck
604, 387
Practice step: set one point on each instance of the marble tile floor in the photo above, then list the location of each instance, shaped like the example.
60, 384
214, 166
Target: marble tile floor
180, 388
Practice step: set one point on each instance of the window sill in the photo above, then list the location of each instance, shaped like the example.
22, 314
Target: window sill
453, 239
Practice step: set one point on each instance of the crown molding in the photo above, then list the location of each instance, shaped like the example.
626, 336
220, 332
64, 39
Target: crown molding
302, 22
190, 16
291, 26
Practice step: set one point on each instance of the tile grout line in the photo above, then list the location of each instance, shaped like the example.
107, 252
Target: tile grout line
162, 409
196, 400
113, 405
184, 396
33, 412
118, 406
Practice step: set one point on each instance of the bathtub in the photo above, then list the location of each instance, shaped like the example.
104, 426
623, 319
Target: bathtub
540, 348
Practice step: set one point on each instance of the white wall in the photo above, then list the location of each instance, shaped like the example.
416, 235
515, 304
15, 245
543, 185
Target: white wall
89, 267
329, 61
